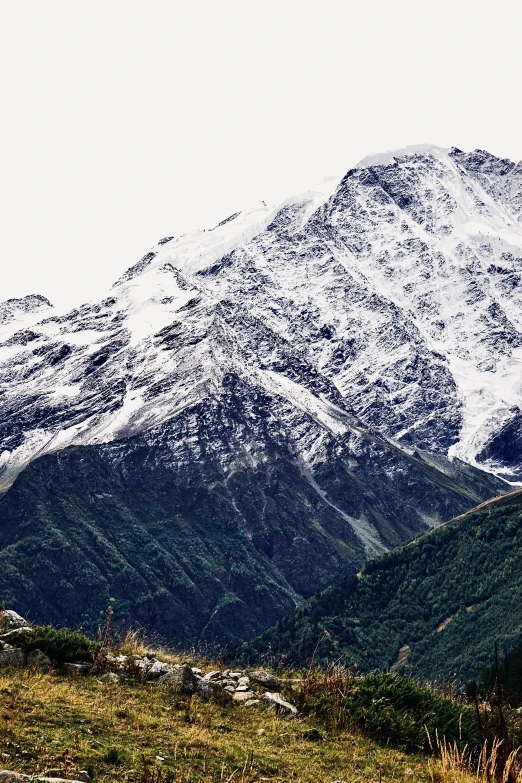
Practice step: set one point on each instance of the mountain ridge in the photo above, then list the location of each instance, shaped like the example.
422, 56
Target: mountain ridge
356, 345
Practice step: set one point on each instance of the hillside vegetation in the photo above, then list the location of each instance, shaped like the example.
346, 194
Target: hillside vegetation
433, 608
349, 729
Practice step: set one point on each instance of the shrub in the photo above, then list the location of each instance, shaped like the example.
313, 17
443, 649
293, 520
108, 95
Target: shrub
60, 645
390, 708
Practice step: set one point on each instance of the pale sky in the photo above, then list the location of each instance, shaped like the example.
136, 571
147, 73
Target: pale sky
123, 122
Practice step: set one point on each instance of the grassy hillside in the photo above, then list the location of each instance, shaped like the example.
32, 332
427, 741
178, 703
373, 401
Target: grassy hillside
433, 608
134, 731
131, 715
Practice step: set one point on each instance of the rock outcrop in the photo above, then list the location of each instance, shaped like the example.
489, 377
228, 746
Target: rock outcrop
223, 687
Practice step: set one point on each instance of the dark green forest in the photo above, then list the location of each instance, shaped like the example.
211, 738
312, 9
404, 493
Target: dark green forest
432, 608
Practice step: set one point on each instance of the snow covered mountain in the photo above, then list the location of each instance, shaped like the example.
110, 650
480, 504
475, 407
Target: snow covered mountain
356, 335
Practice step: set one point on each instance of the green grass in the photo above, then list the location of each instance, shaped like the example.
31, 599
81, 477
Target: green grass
112, 729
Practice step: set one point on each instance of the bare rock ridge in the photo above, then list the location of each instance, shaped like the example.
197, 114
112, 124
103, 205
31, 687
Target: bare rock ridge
257, 408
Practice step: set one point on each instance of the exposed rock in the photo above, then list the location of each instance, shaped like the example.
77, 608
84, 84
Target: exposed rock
181, 679
243, 696
204, 688
220, 694
16, 636
243, 681
10, 619
278, 702
12, 657
157, 669
251, 702
37, 659
265, 679
213, 675
110, 677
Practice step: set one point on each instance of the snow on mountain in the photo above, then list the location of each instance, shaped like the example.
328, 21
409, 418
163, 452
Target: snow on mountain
255, 409
392, 296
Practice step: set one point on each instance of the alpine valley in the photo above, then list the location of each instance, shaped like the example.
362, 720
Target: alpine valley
256, 409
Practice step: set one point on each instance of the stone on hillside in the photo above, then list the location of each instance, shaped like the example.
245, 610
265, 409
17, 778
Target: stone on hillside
110, 677
251, 702
243, 696
265, 679
181, 679
10, 619
76, 669
157, 669
16, 636
282, 707
197, 671
243, 681
214, 675
204, 689
219, 694
12, 657
39, 660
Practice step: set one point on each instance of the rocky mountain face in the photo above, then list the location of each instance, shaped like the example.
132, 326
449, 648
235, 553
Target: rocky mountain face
255, 409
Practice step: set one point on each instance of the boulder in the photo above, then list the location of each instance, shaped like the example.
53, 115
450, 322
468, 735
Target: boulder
10, 619
282, 707
219, 694
157, 669
16, 636
180, 679
110, 677
203, 688
265, 679
214, 675
243, 696
12, 657
38, 660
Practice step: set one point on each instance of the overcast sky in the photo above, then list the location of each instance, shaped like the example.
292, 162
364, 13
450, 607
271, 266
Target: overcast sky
123, 122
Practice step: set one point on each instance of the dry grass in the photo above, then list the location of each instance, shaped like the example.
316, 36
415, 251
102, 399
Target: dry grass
143, 733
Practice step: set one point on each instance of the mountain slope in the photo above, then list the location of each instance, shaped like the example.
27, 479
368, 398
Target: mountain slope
296, 376
396, 292
434, 607
190, 531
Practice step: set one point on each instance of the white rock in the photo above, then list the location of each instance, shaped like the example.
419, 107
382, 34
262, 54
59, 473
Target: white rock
278, 702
